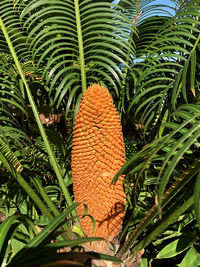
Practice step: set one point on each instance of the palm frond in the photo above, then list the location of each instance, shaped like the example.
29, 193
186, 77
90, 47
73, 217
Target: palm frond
78, 45
165, 157
9, 13
10, 155
167, 53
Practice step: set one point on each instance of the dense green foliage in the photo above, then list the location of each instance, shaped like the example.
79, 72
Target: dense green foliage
147, 55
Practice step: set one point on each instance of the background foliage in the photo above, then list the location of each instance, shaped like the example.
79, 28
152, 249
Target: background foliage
148, 58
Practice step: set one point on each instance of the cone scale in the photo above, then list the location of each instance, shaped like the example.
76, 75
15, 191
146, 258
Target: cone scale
98, 153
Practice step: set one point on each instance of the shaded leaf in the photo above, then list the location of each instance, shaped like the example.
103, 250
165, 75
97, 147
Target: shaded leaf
192, 258
176, 247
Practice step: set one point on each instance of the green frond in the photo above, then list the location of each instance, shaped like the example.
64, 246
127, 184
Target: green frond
168, 154
166, 53
10, 156
41, 152
9, 13
54, 30
185, 135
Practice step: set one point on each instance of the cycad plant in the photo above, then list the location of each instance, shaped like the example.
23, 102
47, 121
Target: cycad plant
147, 56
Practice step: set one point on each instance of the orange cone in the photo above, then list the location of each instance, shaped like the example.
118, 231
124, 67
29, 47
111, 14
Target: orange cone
98, 154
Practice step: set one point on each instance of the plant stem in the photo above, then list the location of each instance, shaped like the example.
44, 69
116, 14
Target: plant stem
80, 44
40, 204
48, 201
46, 198
172, 218
33, 196
38, 121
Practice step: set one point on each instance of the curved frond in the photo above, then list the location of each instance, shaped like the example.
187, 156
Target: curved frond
165, 68
9, 13
174, 151
78, 44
